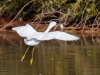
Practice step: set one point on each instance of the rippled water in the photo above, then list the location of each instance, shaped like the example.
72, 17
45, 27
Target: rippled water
50, 57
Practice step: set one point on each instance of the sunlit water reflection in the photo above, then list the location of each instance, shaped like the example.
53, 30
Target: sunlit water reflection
50, 57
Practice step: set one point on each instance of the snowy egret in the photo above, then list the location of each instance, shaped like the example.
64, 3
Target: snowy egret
33, 38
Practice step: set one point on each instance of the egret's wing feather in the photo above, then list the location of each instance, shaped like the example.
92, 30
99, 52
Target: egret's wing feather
56, 35
24, 31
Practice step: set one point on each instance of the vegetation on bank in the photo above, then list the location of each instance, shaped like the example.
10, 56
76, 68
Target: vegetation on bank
69, 12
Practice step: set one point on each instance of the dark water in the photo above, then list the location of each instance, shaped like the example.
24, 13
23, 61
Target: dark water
50, 57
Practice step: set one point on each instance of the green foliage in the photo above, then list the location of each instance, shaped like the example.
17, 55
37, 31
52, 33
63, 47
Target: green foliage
64, 10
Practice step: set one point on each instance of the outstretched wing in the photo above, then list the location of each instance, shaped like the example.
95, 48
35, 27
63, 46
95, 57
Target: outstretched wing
56, 35
25, 31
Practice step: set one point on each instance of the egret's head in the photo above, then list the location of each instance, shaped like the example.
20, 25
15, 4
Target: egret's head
61, 26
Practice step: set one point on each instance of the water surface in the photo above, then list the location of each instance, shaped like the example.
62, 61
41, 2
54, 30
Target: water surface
50, 57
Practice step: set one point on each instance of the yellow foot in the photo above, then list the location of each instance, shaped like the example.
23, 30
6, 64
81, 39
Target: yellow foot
24, 54
31, 61
22, 57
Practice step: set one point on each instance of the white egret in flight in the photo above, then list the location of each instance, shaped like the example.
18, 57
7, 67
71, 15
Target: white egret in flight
33, 38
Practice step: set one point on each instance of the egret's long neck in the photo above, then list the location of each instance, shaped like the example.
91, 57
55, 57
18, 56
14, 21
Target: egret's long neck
48, 29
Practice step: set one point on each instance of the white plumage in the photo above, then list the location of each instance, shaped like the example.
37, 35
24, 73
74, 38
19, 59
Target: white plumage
32, 37
25, 31
53, 35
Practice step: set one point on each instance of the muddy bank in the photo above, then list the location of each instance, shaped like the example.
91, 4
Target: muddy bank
42, 26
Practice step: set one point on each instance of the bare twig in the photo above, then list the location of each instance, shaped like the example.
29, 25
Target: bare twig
84, 10
84, 23
97, 24
17, 14
95, 21
5, 8
2, 12
69, 12
6, 3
